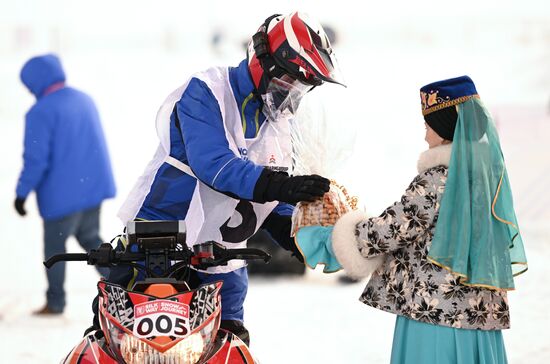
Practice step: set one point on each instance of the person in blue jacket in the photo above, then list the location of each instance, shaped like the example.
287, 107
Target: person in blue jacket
66, 163
225, 152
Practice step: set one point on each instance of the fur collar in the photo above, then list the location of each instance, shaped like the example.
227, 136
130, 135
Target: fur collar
437, 156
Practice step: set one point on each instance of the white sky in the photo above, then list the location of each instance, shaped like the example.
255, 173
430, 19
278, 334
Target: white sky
128, 55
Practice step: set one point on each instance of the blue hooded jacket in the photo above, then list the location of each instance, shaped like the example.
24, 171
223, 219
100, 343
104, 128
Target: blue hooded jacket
65, 155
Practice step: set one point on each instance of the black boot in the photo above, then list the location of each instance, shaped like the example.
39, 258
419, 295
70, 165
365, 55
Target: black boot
237, 328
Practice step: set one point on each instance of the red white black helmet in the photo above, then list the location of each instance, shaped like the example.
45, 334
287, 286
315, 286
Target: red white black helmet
291, 45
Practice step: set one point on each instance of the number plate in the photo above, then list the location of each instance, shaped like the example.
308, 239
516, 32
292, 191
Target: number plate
161, 318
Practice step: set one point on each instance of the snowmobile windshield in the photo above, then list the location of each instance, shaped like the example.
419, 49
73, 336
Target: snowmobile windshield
283, 96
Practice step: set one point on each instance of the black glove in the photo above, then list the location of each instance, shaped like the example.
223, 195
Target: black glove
19, 205
278, 186
278, 227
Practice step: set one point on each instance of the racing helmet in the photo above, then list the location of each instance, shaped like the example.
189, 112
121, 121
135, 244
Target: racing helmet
293, 45
287, 57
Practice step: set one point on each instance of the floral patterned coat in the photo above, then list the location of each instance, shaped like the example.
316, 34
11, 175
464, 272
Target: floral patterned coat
394, 247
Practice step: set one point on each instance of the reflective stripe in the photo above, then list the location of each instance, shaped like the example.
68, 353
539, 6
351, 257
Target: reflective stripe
221, 169
257, 123
243, 106
180, 165
243, 117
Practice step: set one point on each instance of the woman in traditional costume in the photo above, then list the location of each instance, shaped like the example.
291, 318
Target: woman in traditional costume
443, 256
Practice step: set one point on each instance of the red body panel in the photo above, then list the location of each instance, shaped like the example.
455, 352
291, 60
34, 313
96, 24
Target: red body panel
233, 351
88, 351
119, 309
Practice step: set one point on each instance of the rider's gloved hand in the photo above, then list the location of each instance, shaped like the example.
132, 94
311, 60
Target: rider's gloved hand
279, 186
279, 226
19, 205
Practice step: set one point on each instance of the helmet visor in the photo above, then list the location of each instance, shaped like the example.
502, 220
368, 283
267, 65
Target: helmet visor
283, 96
317, 51
334, 74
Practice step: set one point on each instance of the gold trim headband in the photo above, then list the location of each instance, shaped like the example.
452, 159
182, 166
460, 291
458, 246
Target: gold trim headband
431, 102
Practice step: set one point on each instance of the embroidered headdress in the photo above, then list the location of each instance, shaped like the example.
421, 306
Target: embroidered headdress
441, 94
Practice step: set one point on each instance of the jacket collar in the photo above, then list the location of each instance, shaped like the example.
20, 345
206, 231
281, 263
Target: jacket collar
437, 156
51, 89
241, 81
249, 104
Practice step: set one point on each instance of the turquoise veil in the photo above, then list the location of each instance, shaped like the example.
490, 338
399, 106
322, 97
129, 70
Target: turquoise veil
477, 235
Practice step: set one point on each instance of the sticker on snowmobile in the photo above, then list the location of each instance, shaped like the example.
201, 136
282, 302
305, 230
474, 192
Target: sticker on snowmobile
161, 318
204, 304
120, 305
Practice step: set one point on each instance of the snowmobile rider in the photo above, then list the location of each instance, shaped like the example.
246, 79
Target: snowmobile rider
225, 152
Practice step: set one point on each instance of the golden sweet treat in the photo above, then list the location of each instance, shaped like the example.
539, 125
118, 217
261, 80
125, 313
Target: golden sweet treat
326, 211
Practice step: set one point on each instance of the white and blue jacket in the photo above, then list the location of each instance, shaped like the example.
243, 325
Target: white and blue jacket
200, 142
197, 138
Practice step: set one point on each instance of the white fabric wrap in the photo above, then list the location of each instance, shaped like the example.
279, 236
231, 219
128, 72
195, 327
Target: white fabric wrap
209, 210
345, 247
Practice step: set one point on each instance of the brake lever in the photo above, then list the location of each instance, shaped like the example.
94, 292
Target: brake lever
250, 254
213, 254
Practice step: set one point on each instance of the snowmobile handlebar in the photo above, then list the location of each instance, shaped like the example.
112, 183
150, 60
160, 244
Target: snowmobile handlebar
66, 258
212, 254
206, 255
158, 244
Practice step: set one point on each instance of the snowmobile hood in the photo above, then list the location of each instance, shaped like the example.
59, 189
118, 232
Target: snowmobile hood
40, 72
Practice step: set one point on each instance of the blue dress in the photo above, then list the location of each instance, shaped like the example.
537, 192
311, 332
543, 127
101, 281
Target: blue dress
416, 342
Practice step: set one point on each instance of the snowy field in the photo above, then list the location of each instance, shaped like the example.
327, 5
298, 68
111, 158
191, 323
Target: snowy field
129, 63
311, 320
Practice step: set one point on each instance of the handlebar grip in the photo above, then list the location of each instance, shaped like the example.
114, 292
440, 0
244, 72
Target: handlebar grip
70, 257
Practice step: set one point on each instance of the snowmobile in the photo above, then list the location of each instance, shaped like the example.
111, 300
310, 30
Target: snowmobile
160, 320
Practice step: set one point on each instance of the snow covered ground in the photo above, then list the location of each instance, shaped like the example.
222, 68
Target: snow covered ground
129, 63
300, 320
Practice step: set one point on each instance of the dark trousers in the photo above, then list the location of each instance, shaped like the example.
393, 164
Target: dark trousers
84, 226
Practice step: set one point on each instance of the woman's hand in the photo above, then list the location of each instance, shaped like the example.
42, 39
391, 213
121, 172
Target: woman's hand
315, 245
